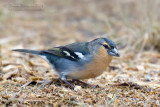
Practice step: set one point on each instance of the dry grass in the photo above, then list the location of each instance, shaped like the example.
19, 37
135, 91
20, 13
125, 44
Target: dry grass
132, 80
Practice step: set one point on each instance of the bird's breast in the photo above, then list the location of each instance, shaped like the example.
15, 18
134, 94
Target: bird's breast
95, 68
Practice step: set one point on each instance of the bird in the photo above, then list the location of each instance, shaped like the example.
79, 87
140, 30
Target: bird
78, 61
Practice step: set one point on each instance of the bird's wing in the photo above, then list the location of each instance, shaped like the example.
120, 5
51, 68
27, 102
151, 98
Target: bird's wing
74, 51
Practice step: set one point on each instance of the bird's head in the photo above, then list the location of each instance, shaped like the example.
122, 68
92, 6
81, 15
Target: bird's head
107, 44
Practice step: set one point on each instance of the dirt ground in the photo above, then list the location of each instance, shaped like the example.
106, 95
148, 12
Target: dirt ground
131, 80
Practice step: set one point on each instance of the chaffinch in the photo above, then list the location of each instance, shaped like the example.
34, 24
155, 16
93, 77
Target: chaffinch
82, 60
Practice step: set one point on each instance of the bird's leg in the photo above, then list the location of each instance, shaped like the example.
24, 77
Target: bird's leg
63, 78
84, 83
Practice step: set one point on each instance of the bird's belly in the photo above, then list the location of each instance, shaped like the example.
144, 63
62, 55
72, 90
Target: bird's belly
93, 69
86, 74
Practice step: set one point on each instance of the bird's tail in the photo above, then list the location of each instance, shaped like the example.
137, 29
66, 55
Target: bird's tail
28, 51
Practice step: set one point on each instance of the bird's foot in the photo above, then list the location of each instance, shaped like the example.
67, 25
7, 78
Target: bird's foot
86, 84
72, 86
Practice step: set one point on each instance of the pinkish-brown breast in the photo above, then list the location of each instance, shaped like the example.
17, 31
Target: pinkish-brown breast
95, 68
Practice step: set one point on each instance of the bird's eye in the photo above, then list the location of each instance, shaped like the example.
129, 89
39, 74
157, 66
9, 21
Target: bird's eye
106, 46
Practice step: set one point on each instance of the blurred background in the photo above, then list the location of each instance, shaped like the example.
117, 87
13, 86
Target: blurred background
134, 25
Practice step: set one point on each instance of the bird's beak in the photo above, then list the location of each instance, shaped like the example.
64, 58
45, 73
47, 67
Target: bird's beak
114, 52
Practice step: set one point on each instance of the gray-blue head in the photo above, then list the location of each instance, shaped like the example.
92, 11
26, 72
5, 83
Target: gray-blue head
108, 44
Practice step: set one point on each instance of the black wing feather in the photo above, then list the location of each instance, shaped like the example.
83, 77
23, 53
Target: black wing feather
61, 52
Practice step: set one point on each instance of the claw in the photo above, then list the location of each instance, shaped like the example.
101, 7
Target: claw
86, 84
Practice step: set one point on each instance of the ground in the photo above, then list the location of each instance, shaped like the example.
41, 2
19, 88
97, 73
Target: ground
131, 80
